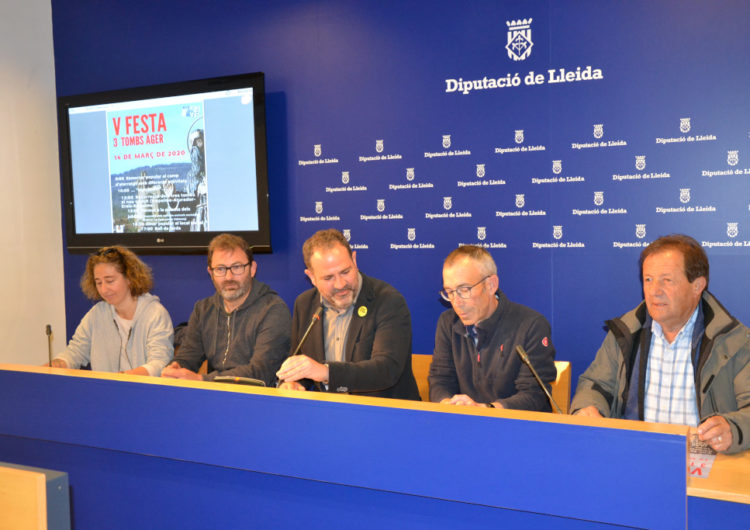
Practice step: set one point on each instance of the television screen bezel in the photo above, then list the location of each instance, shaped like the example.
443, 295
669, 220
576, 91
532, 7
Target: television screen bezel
166, 242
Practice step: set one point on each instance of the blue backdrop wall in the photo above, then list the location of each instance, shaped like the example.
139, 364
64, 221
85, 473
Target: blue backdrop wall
563, 136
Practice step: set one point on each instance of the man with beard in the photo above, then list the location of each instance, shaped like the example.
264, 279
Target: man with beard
242, 330
363, 345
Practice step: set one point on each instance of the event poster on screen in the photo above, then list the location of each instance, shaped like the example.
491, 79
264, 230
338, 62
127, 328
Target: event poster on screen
157, 168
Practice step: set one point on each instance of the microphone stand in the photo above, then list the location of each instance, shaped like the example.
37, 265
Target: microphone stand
313, 320
525, 359
48, 331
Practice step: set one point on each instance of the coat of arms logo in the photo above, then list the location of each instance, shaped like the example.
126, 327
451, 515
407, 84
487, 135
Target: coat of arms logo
640, 231
557, 231
379, 146
598, 198
684, 195
640, 163
519, 136
447, 203
732, 229
480, 170
481, 233
409, 173
318, 207
598, 130
557, 167
446, 141
519, 39
411, 234
345, 177
733, 158
381, 205
684, 125
347, 233
317, 150
520, 200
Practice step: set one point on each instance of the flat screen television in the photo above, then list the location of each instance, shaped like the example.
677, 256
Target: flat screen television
165, 168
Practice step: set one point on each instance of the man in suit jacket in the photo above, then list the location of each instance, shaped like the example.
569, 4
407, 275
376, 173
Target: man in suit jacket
363, 345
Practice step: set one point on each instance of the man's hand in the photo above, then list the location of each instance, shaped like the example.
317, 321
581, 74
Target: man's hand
716, 432
302, 367
463, 399
291, 386
175, 371
591, 411
59, 363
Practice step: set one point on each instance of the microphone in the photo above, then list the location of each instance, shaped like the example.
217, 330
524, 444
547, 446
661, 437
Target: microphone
48, 331
525, 359
313, 320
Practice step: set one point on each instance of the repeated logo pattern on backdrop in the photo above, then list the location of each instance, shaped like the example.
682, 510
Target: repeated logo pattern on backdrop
601, 189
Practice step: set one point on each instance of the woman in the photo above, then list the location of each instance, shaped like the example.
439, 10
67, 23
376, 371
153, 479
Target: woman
128, 331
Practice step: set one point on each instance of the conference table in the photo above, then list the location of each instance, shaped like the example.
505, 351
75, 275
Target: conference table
153, 452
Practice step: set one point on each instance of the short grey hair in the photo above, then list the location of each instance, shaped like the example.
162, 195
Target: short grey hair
478, 254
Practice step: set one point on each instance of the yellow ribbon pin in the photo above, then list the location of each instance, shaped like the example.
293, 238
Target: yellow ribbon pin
362, 311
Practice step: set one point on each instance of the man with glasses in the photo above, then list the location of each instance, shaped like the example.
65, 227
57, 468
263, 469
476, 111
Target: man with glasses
363, 344
475, 361
242, 330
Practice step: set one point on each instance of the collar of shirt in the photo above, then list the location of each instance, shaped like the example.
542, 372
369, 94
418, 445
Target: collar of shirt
685, 332
471, 332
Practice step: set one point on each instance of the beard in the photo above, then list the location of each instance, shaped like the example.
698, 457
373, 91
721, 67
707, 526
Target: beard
232, 290
341, 304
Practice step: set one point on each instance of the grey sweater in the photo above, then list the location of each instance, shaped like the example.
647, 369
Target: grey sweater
97, 339
251, 341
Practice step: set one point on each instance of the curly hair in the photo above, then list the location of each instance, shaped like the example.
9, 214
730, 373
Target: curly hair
125, 262
323, 239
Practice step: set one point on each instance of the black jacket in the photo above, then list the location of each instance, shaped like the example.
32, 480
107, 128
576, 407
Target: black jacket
378, 343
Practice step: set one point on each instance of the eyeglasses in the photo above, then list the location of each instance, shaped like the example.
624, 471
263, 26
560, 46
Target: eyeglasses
463, 292
237, 269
